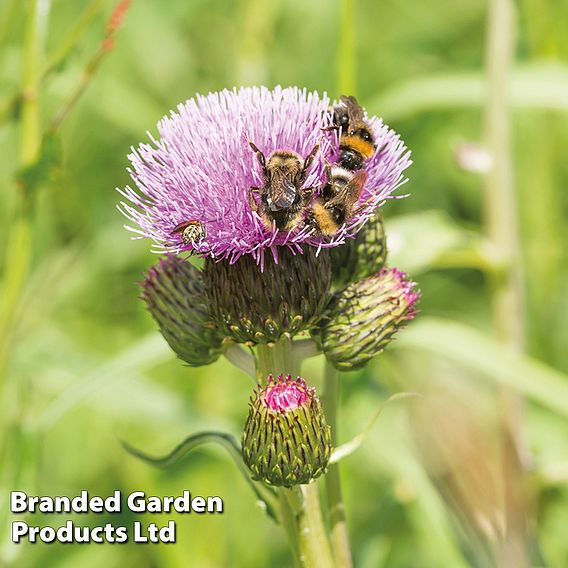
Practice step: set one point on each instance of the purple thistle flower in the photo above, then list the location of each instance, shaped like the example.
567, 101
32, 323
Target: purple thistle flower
201, 169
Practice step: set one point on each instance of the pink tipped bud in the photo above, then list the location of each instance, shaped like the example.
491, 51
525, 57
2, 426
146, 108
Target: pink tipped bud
284, 394
286, 440
363, 317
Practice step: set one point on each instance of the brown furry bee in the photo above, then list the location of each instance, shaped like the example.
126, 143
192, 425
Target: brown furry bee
282, 198
356, 144
337, 203
191, 231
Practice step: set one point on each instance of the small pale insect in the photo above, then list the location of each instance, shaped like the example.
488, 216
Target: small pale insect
191, 231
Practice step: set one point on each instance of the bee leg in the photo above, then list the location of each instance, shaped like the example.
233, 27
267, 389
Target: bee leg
260, 157
310, 221
328, 171
326, 188
252, 202
307, 194
363, 206
307, 163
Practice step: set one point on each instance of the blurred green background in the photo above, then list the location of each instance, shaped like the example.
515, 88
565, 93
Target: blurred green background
83, 365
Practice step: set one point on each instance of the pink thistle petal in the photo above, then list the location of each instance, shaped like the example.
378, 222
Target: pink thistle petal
284, 393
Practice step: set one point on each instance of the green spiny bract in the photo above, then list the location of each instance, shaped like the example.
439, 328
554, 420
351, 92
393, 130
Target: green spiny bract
254, 305
362, 256
173, 290
286, 440
362, 318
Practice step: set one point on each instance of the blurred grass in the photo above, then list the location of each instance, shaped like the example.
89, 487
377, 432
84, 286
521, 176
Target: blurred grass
76, 380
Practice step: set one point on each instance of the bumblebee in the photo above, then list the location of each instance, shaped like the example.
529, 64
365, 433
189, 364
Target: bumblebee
191, 231
356, 144
282, 198
337, 203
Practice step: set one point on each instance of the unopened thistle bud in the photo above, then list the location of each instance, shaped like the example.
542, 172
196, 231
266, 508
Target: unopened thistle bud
253, 305
286, 440
362, 319
363, 256
173, 292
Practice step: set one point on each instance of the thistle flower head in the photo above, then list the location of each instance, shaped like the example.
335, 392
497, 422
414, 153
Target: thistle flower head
174, 295
362, 319
201, 168
286, 440
254, 305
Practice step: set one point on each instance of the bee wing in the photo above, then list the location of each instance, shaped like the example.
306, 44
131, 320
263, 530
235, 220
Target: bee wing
282, 195
351, 192
180, 228
354, 110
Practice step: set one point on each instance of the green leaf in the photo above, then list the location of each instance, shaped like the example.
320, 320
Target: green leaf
263, 493
419, 241
349, 447
537, 86
145, 353
470, 348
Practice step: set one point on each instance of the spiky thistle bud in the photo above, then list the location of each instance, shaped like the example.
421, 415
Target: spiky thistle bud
286, 440
258, 305
173, 292
362, 318
360, 257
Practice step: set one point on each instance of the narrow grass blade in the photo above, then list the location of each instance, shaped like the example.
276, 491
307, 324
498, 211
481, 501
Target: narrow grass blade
349, 447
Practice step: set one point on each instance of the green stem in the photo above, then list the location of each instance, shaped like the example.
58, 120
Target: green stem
300, 512
500, 203
276, 359
288, 521
501, 211
70, 40
338, 525
17, 264
256, 22
7, 18
346, 48
19, 241
305, 348
30, 139
14, 427
62, 51
236, 355
78, 91
304, 502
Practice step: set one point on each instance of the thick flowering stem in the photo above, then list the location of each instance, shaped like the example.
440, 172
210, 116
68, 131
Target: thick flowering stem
275, 359
300, 507
336, 509
290, 525
313, 542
